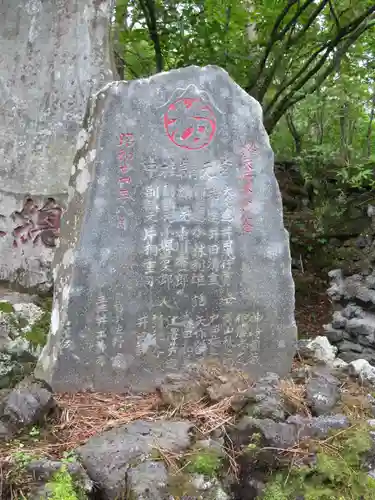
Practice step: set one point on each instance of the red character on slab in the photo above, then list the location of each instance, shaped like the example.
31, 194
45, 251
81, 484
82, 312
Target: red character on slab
190, 123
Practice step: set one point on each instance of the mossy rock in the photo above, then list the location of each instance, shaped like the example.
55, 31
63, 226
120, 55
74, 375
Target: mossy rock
63, 487
197, 486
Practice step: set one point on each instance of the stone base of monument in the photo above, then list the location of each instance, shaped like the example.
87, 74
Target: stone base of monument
214, 436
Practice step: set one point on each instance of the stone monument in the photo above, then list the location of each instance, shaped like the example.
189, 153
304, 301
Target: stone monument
54, 54
173, 248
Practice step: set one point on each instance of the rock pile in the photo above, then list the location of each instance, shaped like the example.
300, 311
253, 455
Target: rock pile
352, 329
24, 327
271, 427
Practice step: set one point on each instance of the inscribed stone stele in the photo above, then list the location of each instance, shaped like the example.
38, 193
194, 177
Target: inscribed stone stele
54, 54
173, 246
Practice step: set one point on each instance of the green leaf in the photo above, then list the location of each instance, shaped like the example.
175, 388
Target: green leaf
6, 307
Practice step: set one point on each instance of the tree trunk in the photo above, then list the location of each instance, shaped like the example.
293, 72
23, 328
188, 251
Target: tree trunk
295, 134
369, 129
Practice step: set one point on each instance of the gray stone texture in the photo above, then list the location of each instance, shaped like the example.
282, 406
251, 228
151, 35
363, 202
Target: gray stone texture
173, 246
109, 456
147, 481
322, 391
352, 329
265, 399
54, 54
283, 435
353, 296
26, 404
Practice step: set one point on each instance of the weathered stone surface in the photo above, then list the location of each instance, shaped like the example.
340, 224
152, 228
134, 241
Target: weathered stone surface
54, 54
363, 370
227, 385
354, 300
349, 346
19, 337
322, 392
353, 288
173, 248
277, 434
265, 400
338, 320
319, 349
318, 427
332, 334
352, 311
207, 489
349, 356
9, 369
176, 388
6, 431
108, 456
215, 446
147, 481
286, 434
339, 365
26, 404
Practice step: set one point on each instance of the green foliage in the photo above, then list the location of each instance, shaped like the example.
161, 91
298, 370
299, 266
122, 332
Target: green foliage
62, 487
337, 473
255, 442
21, 458
310, 65
17, 477
38, 333
207, 462
6, 307
69, 457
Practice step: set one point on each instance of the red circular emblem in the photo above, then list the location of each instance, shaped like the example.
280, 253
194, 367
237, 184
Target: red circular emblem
190, 123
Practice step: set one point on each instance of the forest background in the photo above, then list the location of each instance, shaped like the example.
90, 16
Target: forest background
311, 65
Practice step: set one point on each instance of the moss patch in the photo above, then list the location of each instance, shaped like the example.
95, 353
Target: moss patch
6, 307
180, 485
207, 462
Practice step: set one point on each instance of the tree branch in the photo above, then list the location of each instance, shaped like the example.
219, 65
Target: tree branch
262, 89
328, 47
272, 40
149, 11
336, 19
369, 129
294, 132
306, 26
291, 41
292, 98
227, 24
294, 78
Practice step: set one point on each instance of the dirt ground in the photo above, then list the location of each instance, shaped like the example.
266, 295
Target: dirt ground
313, 306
